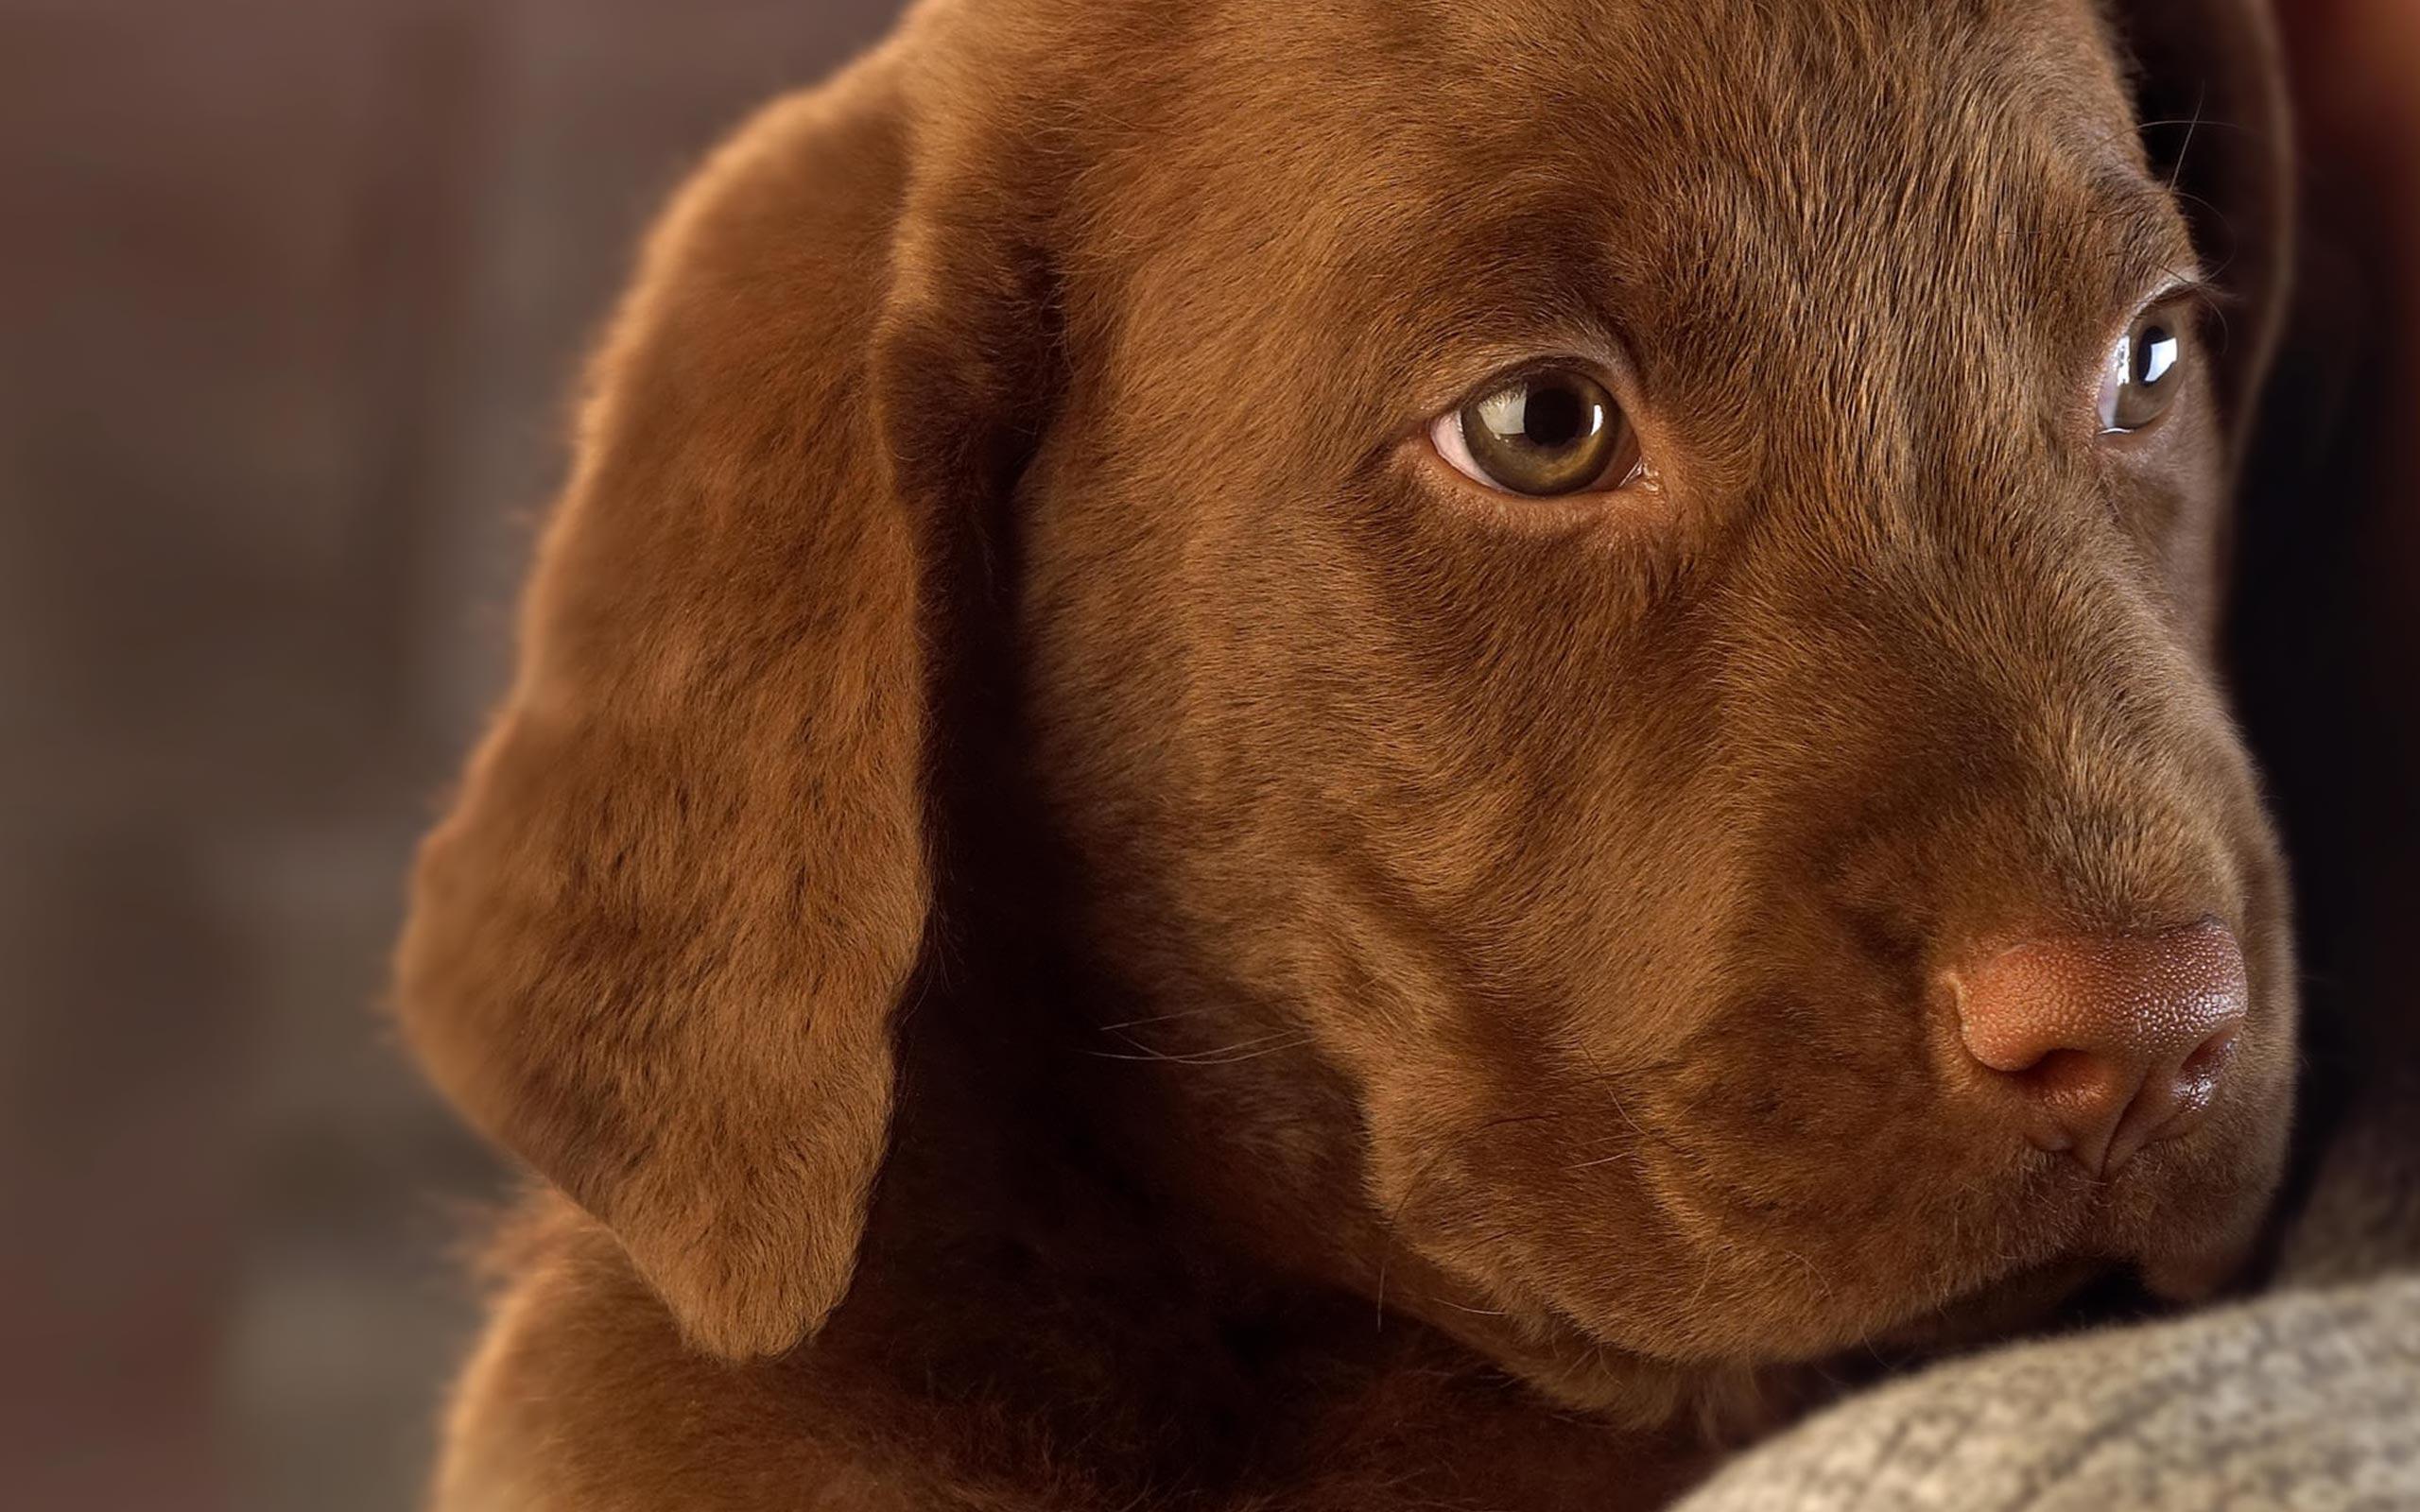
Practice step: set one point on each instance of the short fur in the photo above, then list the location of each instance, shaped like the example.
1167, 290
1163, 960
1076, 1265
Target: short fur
1082, 929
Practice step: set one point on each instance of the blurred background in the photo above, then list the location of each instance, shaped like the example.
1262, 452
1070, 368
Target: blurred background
294, 293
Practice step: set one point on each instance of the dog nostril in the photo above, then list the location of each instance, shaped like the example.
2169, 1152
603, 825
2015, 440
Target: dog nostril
2061, 1074
2111, 1042
2210, 1057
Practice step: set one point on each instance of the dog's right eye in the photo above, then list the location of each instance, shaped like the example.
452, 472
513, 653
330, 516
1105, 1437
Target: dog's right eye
1541, 433
2143, 371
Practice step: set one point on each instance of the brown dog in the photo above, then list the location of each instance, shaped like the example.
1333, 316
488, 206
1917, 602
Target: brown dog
1245, 711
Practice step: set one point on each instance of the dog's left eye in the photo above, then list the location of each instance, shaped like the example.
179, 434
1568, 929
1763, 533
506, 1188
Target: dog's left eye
2143, 372
1545, 433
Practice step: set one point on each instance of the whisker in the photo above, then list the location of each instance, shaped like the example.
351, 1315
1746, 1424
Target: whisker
1476, 1311
1247, 1050
2199, 121
2176, 170
1411, 1188
1603, 1160
1605, 1083
1158, 1018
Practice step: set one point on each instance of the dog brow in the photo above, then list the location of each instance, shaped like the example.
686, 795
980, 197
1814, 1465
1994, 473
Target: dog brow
2149, 239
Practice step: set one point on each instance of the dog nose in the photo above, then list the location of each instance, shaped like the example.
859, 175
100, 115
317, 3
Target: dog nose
2111, 1042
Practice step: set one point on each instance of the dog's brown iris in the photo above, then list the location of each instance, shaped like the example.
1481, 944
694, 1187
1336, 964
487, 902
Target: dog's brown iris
1549, 433
2146, 369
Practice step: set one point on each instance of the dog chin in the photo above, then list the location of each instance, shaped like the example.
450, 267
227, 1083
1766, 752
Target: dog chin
1730, 1400
1724, 1401
2012, 1305
2167, 1258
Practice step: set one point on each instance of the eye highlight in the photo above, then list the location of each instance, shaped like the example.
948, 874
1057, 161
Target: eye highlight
1545, 433
2145, 371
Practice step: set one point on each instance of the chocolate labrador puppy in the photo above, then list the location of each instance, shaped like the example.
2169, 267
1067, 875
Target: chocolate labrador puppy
1374, 755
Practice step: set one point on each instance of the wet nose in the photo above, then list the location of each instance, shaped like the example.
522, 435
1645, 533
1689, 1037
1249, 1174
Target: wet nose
2108, 1044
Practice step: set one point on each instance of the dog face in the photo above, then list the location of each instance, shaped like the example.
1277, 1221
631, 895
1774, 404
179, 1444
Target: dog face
1613, 603
1617, 843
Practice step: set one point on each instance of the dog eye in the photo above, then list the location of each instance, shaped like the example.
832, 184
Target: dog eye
2143, 374
1541, 433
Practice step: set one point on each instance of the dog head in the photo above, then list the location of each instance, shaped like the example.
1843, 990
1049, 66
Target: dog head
1613, 603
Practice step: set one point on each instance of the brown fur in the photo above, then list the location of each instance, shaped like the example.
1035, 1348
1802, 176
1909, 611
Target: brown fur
1084, 931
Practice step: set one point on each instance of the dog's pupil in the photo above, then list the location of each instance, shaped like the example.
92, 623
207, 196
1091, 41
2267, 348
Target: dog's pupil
1554, 418
2154, 355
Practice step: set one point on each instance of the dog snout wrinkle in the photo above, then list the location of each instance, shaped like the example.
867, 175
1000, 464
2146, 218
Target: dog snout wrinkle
2108, 1044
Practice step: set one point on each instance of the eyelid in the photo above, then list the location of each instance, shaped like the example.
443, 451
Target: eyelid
2182, 286
2202, 300
1456, 375
1530, 365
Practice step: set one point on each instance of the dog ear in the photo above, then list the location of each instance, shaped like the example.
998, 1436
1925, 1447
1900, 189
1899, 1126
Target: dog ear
657, 947
2218, 124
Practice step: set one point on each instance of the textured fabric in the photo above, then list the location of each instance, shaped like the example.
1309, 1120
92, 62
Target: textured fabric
2307, 1400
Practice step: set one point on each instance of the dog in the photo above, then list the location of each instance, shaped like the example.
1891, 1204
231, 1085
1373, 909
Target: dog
1381, 755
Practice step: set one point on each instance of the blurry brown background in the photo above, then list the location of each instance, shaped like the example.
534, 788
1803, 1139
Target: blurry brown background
291, 292
291, 295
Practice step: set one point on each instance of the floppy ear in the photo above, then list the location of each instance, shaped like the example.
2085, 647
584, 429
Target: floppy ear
658, 946
2210, 91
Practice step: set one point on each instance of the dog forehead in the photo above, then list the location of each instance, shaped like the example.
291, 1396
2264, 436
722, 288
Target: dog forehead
1743, 191
1720, 153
